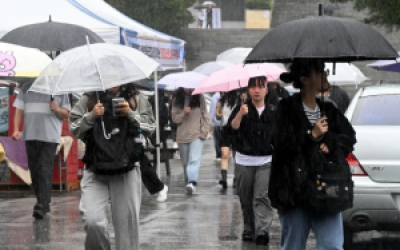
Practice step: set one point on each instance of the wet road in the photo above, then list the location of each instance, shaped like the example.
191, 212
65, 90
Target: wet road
210, 219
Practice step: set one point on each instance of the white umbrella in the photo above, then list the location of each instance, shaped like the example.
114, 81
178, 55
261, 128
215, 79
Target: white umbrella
207, 3
19, 61
234, 55
345, 74
94, 67
187, 79
210, 67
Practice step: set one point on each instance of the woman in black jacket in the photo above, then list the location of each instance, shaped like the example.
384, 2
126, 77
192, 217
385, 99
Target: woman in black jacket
253, 121
305, 141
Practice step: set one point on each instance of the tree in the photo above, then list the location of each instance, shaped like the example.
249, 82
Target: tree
167, 16
383, 12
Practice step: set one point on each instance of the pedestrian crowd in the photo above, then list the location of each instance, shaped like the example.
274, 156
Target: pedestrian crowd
277, 143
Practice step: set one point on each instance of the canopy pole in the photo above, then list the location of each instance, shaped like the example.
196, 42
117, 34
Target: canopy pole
157, 124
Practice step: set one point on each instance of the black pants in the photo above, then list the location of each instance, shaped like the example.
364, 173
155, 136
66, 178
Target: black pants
149, 176
40, 160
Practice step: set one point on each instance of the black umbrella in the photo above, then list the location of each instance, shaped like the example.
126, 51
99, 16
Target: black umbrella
328, 38
51, 36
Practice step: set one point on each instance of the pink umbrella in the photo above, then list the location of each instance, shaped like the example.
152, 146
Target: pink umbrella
237, 76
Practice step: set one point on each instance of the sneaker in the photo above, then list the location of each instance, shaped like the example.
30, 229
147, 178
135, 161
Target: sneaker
190, 189
162, 195
218, 159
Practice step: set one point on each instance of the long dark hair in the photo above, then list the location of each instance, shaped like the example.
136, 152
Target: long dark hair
302, 67
230, 98
180, 99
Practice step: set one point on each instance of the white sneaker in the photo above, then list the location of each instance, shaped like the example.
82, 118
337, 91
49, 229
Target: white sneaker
190, 189
162, 195
218, 159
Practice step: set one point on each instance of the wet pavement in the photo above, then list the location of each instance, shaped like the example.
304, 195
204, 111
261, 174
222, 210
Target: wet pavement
210, 219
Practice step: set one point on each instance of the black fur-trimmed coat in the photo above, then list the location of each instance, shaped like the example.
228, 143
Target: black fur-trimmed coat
296, 155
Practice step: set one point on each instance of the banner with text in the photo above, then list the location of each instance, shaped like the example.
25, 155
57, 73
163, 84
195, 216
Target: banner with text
169, 54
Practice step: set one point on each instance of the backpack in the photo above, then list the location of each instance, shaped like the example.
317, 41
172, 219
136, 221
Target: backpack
117, 154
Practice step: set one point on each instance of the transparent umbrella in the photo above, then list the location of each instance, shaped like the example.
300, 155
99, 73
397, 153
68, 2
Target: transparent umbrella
94, 67
345, 74
234, 55
210, 67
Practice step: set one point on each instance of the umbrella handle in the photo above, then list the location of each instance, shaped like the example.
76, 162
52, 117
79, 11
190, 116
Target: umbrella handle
108, 137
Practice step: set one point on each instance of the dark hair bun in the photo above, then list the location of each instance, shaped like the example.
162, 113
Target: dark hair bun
286, 77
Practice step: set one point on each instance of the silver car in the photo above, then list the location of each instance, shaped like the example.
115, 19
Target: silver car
375, 163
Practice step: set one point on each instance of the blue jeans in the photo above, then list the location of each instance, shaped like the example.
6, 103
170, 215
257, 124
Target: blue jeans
296, 225
190, 156
216, 137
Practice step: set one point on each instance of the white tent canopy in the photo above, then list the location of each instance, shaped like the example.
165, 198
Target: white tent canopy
18, 13
165, 49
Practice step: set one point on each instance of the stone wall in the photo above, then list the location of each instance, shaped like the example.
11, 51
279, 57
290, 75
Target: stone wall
203, 45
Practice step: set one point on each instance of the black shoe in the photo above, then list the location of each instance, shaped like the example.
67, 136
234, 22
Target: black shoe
234, 182
223, 182
38, 212
247, 236
262, 239
47, 209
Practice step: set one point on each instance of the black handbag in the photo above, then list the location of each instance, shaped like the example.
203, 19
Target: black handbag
330, 185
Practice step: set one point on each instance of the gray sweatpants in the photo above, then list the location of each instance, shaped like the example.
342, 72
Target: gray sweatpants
125, 193
252, 188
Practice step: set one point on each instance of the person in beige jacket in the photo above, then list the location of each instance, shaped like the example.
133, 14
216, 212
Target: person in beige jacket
190, 113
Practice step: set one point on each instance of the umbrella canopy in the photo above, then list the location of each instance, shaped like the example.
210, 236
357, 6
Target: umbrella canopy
209, 3
345, 74
328, 38
234, 55
387, 65
94, 67
51, 36
237, 76
18, 61
199, 6
210, 67
187, 79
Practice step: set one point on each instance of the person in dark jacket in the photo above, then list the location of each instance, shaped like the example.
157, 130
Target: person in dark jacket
253, 121
280, 91
335, 94
302, 140
110, 170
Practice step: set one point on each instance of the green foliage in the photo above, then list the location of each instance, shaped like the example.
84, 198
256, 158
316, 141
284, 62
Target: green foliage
167, 16
382, 12
258, 4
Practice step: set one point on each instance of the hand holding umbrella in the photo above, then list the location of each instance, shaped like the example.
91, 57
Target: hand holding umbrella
98, 109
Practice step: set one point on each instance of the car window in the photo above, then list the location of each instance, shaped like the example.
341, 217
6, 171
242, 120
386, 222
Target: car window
381, 110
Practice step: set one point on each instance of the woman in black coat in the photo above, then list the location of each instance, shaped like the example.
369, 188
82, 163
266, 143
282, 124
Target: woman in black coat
305, 141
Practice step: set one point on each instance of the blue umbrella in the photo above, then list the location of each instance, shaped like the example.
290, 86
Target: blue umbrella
387, 65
